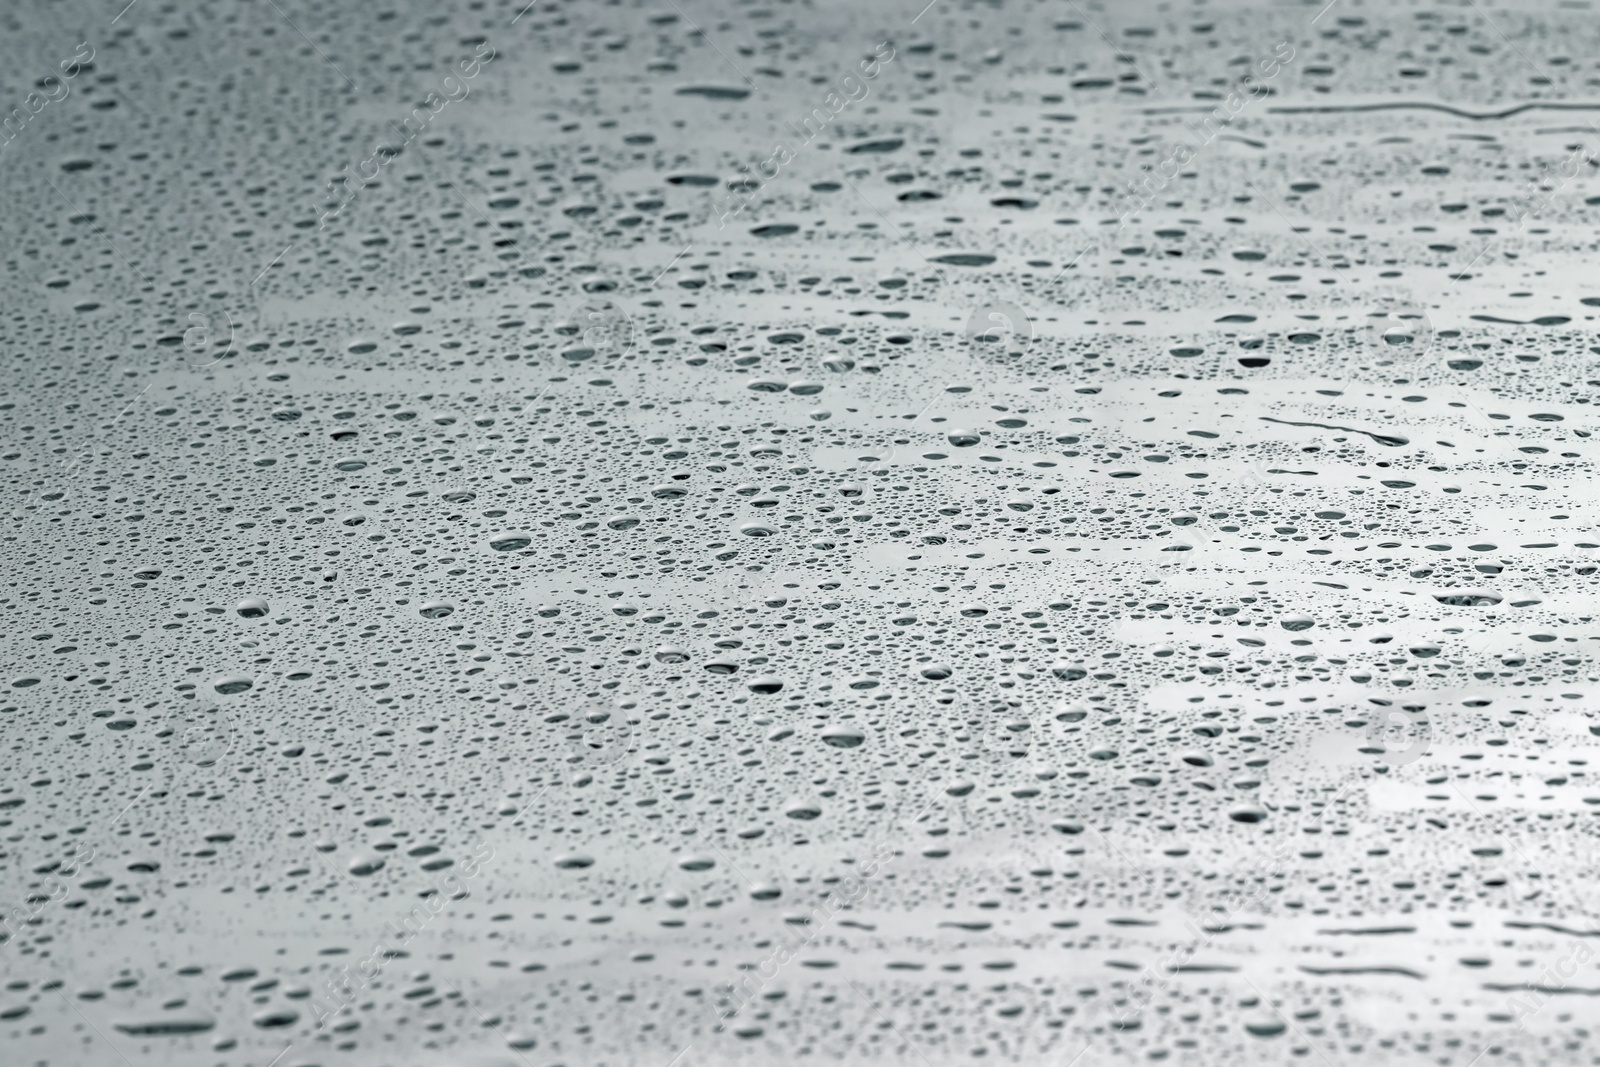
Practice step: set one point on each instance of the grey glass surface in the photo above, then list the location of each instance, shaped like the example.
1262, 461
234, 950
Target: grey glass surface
708, 533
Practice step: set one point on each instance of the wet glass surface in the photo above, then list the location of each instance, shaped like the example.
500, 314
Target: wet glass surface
707, 533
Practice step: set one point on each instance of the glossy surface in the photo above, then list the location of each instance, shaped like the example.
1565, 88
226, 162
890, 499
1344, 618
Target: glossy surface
764, 534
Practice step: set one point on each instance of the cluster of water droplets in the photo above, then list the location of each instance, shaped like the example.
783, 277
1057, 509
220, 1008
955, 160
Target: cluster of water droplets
932, 613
